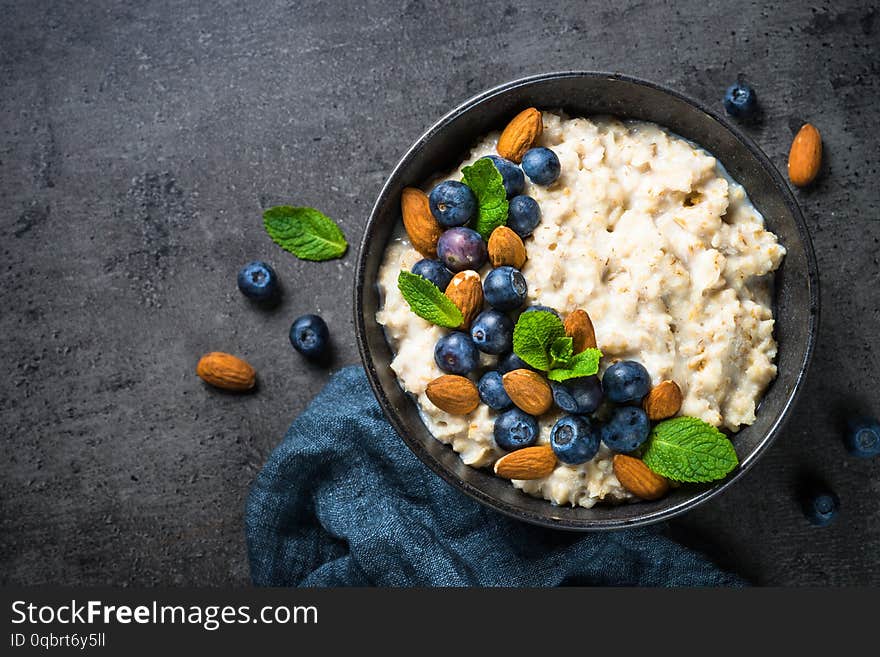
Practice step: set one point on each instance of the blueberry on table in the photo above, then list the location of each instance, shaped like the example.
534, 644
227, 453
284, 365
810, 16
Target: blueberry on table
492, 332
510, 362
515, 429
862, 438
626, 381
462, 248
541, 165
257, 280
309, 336
511, 175
626, 430
505, 288
456, 353
492, 392
820, 507
574, 440
434, 270
740, 100
452, 203
578, 396
523, 215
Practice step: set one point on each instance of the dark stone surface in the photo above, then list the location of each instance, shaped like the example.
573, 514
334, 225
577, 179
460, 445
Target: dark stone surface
139, 143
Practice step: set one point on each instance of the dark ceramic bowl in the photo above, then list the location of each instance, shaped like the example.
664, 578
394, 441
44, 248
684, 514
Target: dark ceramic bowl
446, 143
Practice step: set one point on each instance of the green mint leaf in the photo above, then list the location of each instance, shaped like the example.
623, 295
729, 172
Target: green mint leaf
688, 449
534, 335
585, 363
427, 301
561, 352
304, 232
488, 186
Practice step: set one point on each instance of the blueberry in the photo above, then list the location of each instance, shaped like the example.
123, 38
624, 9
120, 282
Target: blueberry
820, 507
452, 203
515, 429
626, 381
492, 392
435, 271
863, 437
505, 288
541, 165
627, 429
492, 332
579, 396
461, 248
512, 175
574, 440
523, 215
740, 100
456, 353
546, 309
258, 281
309, 336
511, 362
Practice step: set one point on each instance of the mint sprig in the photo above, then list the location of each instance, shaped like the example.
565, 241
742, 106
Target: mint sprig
486, 183
539, 339
534, 334
427, 300
561, 352
305, 232
689, 449
585, 363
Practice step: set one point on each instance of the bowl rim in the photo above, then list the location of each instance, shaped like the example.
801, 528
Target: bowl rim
476, 493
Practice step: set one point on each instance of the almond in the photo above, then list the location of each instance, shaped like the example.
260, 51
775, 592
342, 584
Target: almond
506, 248
520, 134
527, 463
805, 156
465, 290
226, 371
421, 226
454, 394
579, 327
528, 390
663, 401
634, 475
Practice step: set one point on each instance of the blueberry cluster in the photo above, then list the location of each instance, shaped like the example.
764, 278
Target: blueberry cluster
576, 436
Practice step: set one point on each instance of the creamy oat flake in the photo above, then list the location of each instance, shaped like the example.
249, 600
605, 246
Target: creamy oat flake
649, 235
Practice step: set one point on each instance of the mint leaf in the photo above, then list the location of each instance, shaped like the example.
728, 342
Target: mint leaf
427, 301
488, 186
561, 352
304, 232
534, 334
585, 363
688, 449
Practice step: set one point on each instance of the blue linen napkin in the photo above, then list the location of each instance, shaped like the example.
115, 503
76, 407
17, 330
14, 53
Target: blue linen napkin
343, 502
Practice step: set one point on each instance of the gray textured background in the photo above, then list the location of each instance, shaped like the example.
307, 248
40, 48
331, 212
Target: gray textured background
139, 142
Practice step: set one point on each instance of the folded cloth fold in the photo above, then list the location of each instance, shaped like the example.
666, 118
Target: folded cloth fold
343, 502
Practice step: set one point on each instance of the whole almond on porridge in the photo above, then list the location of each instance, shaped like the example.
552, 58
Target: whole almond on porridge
465, 290
421, 226
528, 390
634, 475
579, 327
226, 371
520, 134
506, 248
454, 394
527, 463
805, 156
663, 401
